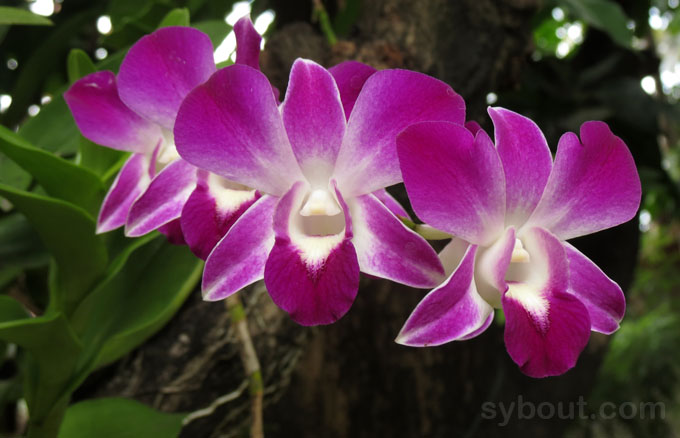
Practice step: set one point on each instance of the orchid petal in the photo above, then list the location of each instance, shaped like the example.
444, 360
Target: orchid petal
314, 119
239, 258
450, 312
485, 325
173, 232
546, 328
231, 126
104, 119
386, 248
134, 177
594, 184
454, 180
314, 278
350, 77
163, 200
391, 203
389, 101
602, 297
473, 127
247, 43
160, 69
526, 162
211, 210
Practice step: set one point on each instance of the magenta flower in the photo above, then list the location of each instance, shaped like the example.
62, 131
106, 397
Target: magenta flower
317, 159
511, 209
135, 111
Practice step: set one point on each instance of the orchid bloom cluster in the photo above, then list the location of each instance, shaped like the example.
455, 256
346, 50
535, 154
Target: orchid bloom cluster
293, 192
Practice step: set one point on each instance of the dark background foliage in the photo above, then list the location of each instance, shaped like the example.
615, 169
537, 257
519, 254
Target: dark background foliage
560, 62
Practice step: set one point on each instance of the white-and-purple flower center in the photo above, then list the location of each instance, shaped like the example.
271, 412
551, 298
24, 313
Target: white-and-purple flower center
318, 226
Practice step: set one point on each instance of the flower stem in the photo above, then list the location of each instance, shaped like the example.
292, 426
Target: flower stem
251, 363
324, 22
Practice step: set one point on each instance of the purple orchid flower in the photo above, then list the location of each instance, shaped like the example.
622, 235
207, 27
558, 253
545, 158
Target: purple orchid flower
317, 159
135, 111
512, 209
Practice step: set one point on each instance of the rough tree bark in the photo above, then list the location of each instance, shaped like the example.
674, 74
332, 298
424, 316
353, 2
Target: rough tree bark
350, 379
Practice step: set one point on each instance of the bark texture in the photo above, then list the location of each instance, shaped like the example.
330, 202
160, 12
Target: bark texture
350, 379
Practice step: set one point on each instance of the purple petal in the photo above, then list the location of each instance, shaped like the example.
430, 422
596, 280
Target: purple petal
454, 180
526, 162
452, 311
104, 119
239, 258
314, 120
350, 77
602, 297
594, 184
546, 328
134, 177
247, 43
485, 325
161, 68
391, 203
389, 101
386, 248
473, 127
231, 126
211, 210
163, 201
314, 278
173, 232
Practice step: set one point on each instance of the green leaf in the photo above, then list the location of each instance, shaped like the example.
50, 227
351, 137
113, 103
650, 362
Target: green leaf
20, 247
79, 65
68, 232
118, 418
176, 17
53, 129
46, 60
11, 310
217, 30
147, 285
60, 178
605, 15
12, 174
22, 16
53, 349
98, 159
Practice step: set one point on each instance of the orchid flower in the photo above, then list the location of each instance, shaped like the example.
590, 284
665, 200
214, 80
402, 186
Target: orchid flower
511, 209
135, 111
317, 159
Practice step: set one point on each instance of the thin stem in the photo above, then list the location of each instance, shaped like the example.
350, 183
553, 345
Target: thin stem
251, 363
428, 232
324, 22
